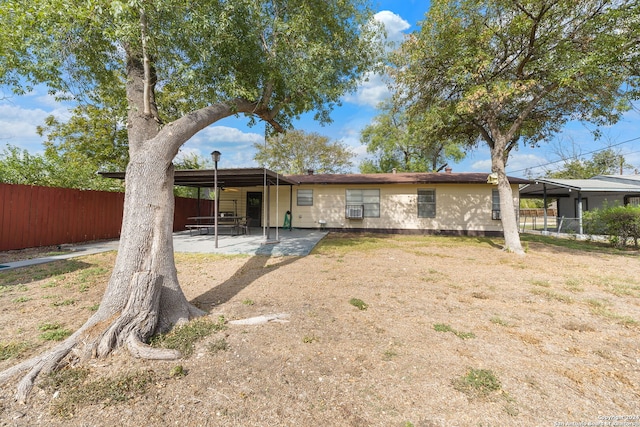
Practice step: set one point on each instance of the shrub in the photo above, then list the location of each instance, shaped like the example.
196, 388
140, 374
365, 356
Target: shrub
620, 223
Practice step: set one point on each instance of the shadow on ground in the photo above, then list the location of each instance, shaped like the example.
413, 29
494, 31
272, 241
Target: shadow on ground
251, 271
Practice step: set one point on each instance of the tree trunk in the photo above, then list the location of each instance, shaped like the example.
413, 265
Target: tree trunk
507, 210
143, 296
146, 242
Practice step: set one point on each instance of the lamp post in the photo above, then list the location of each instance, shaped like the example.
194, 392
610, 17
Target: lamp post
215, 156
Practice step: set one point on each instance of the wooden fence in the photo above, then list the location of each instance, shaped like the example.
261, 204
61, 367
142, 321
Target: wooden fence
32, 216
538, 212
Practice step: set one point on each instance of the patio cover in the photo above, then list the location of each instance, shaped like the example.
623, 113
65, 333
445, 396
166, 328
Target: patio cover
230, 178
562, 187
556, 188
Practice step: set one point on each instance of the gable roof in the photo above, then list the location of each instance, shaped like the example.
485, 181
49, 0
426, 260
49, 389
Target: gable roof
399, 178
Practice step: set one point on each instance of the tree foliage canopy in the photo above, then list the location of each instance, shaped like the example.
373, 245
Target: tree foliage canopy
201, 52
296, 152
508, 72
52, 169
399, 143
606, 162
519, 70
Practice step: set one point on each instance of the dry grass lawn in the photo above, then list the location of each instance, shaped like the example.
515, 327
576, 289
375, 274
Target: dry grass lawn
381, 331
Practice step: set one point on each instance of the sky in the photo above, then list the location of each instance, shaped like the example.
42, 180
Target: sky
19, 117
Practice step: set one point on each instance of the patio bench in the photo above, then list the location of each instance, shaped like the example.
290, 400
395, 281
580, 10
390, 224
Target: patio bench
199, 227
232, 226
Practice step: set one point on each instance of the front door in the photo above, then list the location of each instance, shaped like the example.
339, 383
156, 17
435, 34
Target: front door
254, 209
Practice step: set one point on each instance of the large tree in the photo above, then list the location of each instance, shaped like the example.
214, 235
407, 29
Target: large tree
510, 72
296, 152
52, 169
93, 135
605, 162
400, 143
181, 66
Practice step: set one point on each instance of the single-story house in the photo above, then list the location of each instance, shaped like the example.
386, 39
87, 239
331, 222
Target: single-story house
444, 202
449, 203
574, 196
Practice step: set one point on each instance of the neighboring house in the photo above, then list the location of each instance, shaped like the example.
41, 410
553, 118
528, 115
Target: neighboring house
445, 202
574, 196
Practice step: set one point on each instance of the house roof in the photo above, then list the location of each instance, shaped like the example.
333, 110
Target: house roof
399, 178
629, 179
253, 177
598, 184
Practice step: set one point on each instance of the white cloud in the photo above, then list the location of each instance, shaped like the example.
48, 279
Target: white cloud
21, 115
18, 126
373, 88
225, 134
235, 145
371, 92
481, 165
394, 25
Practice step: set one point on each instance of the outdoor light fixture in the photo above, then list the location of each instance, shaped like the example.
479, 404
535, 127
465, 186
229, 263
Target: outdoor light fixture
215, 156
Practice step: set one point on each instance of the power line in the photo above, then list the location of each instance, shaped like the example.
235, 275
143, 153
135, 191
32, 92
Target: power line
577, 157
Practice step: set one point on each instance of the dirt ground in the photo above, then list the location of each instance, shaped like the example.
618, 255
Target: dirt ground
556, 330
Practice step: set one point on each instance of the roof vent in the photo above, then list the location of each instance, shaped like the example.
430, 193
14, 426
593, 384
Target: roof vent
448, 170
310, 171
394, 170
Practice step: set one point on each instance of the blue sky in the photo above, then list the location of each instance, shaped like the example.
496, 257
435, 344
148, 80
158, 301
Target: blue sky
19, 117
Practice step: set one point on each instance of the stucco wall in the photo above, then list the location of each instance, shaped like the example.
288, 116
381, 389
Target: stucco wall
459, 207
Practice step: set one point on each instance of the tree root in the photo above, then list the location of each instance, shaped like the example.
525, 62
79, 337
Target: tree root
142, 351
42, 364
128, 329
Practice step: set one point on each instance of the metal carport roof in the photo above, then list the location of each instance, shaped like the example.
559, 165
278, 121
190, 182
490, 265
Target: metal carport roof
240, 177
562, 187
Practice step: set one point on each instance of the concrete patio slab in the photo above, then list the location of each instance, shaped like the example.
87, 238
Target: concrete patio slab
275, 243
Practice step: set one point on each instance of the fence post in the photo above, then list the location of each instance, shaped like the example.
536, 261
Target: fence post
560, 225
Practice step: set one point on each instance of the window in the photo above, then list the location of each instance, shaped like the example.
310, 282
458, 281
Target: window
495, 204
426, 203
632, 200
368, 200
305, 197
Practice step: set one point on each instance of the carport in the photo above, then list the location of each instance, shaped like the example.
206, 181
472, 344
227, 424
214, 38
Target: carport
585, 193
232, 178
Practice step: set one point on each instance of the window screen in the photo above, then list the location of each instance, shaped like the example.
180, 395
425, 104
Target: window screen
426, 203
305, 198
369, 199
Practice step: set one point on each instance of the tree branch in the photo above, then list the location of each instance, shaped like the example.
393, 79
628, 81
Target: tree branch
517, 123
146, 64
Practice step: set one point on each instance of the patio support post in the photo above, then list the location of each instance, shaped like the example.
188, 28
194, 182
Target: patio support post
268, 215
580, 212
291, 206
198, 210
544, 206
216, 158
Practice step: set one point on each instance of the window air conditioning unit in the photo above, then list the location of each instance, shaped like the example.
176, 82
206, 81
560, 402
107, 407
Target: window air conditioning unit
354, 212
